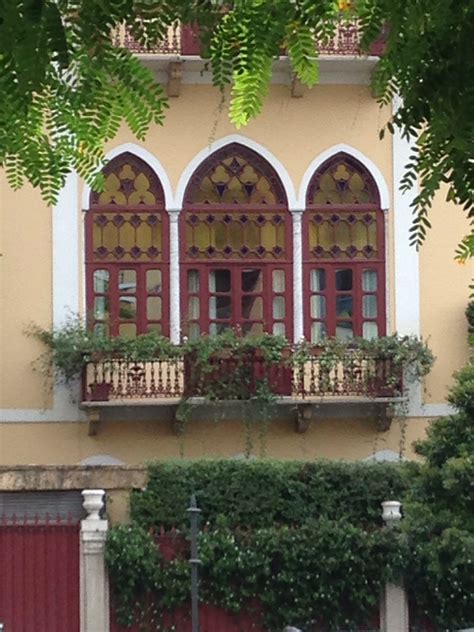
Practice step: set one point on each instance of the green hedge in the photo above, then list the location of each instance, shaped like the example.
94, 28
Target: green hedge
260, 494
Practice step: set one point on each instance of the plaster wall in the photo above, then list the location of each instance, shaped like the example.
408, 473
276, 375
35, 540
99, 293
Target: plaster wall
444, 291
295, 131
138, 441
25, 293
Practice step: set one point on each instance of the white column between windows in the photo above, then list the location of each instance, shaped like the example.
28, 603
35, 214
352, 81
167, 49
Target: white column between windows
298, 330
407, 273
175, 315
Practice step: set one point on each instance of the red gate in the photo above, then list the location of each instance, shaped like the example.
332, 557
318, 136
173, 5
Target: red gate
39, 576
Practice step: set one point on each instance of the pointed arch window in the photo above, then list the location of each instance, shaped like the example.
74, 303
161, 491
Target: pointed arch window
236, 247
343, 253
127, 253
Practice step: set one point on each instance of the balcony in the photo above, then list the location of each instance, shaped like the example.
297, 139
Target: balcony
184, 41
361, 384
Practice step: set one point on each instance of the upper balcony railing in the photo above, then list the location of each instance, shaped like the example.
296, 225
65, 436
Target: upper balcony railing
184, 40
358, 375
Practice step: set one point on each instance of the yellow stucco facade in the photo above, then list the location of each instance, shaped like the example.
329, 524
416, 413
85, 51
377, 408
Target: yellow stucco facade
295, 131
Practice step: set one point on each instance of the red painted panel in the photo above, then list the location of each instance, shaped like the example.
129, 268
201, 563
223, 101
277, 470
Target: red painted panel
39, 577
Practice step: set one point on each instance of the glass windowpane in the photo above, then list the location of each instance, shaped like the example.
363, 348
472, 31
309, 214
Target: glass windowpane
370, 330
153, 308
193, 281
194, 331
101, 329
127, 281
101, 281
127, 308
344, 330
220, 307
217, 328
252, 280
252, 329
318, 332
193, 308
369, 306
344, 280
156, 327
279, 329
252, 307
279, 307
318, 280
153, 281
278, 280
101, 308
318, 306
344, 306
128, 330
369, 281
219, 281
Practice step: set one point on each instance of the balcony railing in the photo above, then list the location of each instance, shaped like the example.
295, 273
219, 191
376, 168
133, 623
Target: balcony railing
359, 376
184, 40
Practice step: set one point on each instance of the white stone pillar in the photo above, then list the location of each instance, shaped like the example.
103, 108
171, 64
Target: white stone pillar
175, 311
394, 602
94, 582
297, 216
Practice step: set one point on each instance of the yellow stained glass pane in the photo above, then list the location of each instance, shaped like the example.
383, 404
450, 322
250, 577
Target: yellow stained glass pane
325, 235
220, 235
313, 235
127, 236
372, 235
280, 231
143, 236
110, 236
251, 235
235, 234
112, 193
141, 195
156, 235
342, 235
268, 236
202, 238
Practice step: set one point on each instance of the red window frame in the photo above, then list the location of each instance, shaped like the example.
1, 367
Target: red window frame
357, 266
93, 263
236, 266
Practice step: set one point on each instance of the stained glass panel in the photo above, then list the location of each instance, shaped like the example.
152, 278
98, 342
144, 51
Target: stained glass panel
235, 175
127, 236
235, 235
342, 180
342, 235
129, 182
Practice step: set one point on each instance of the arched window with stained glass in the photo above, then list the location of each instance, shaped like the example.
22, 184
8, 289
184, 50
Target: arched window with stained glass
236, 247
343, 253
127, 252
